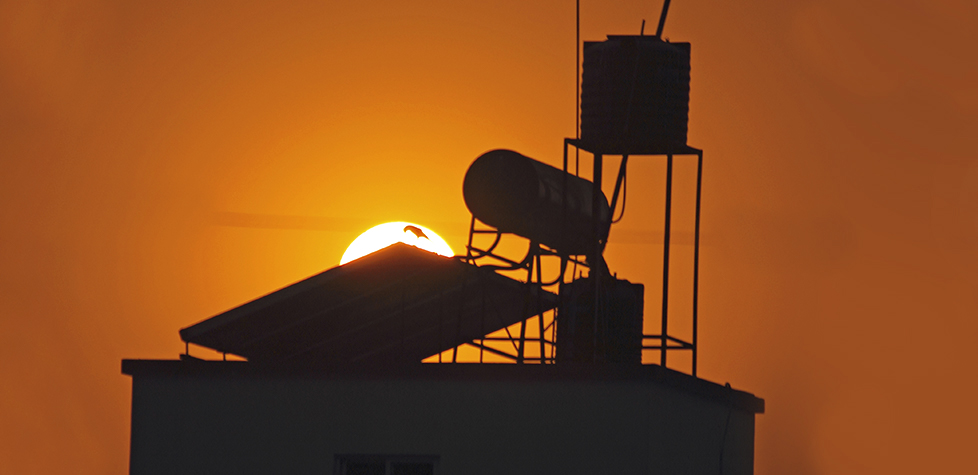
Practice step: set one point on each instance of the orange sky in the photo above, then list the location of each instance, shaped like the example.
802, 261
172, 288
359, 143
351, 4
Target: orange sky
840, 218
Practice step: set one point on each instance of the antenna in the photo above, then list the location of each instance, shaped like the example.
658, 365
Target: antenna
662, 19
577, 93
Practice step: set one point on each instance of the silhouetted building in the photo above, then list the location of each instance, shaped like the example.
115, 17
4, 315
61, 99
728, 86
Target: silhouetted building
334, 381
329, 390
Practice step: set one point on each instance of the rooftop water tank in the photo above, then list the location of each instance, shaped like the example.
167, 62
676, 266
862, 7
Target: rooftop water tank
635, 95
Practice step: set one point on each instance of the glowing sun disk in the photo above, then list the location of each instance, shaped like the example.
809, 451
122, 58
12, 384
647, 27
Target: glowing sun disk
383, 235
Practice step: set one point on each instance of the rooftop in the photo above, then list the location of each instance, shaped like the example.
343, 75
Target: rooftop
648, 374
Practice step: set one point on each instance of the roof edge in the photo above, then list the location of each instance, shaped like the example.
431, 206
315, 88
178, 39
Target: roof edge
742, 400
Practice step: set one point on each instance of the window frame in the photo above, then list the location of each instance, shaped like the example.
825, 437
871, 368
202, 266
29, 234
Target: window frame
340, 461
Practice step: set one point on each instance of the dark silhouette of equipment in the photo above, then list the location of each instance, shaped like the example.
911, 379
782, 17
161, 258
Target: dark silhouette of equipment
416, 230
635, 95
634, 100
519, 195
333, 361
391, 308
616, 339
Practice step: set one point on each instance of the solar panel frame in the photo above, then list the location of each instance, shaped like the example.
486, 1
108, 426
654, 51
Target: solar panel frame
398, 305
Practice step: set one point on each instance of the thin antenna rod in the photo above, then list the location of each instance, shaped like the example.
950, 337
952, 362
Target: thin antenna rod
662, 19
577, 92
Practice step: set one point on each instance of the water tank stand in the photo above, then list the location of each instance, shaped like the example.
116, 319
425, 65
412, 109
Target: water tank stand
661, 341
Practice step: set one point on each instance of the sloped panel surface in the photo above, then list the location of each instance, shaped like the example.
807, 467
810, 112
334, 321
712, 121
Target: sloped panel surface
398, 305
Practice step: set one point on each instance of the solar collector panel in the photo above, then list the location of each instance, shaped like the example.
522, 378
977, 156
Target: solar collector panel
398, 305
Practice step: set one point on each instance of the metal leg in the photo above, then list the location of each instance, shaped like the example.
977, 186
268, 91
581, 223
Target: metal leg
543, 351
696, 256
441, 315
520, 352
665, 261
482, 327
596, 256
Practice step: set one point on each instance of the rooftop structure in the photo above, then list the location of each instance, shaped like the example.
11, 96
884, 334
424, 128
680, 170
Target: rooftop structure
334, 380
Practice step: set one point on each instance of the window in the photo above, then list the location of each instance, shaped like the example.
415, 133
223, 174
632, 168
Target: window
386, 465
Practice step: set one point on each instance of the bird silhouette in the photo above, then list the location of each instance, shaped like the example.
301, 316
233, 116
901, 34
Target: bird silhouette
416, 230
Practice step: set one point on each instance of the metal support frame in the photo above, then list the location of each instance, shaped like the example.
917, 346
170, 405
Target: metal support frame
665, 342
532, 261
662, 341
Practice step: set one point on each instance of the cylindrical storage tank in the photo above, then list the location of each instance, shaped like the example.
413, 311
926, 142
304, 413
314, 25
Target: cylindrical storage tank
635, 95
517, 194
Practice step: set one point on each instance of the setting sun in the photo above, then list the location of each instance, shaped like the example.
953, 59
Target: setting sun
383, 235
